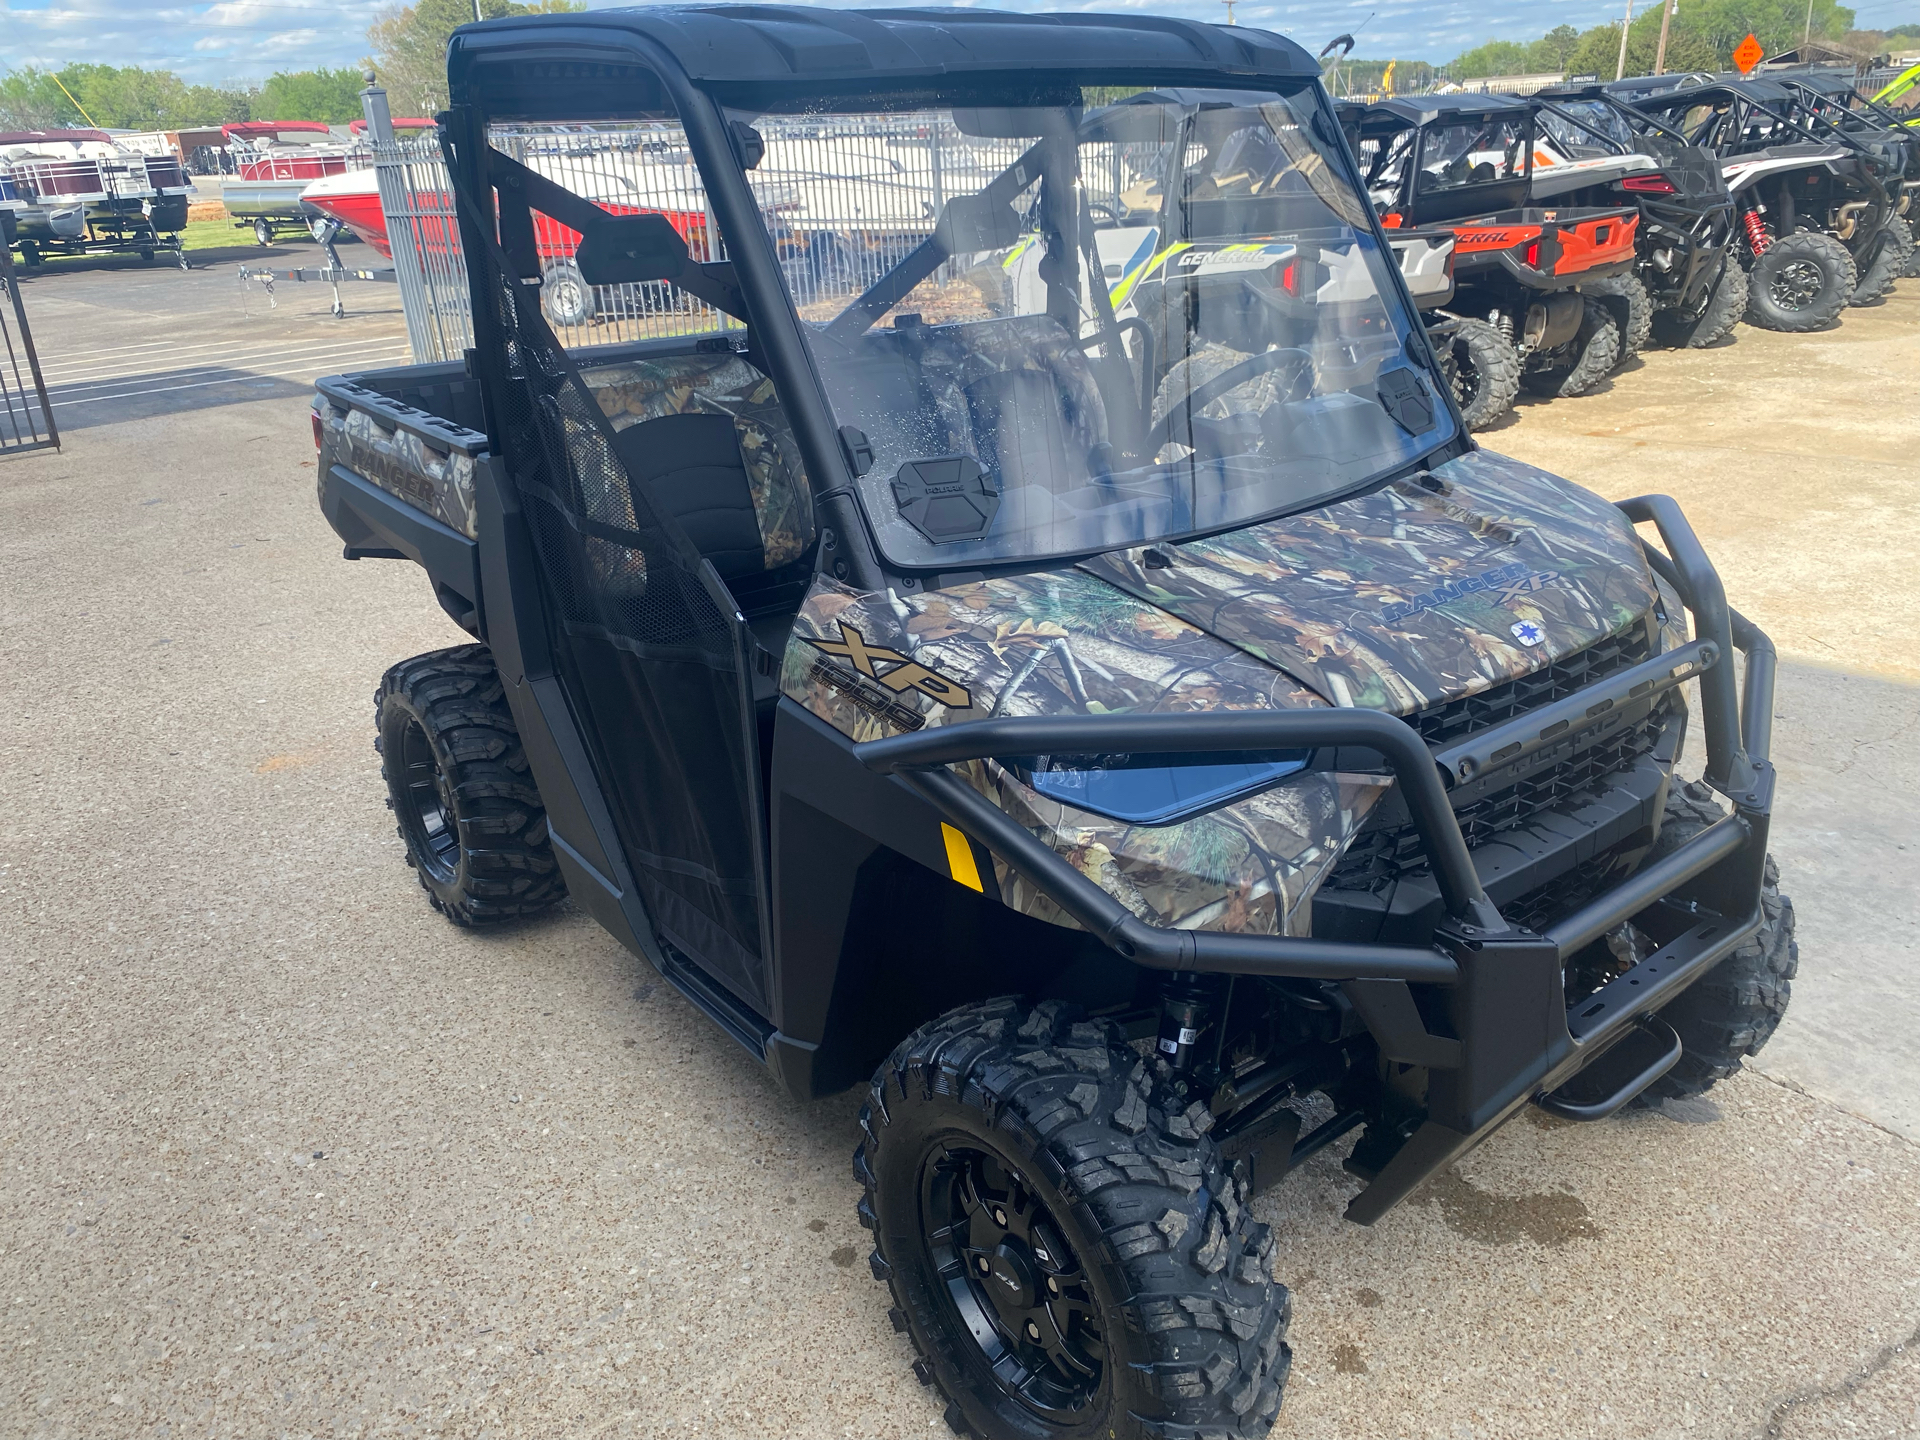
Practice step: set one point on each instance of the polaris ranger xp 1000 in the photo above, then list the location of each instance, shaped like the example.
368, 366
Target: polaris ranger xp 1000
1094, 703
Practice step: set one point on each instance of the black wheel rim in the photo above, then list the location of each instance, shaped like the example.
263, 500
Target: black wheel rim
1020, 1293
1466, 379
1797, 285
427, 806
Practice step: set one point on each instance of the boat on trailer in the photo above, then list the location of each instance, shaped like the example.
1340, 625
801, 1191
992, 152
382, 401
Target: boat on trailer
273, 161
79, 192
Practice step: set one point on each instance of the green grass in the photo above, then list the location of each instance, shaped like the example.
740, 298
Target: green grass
214, 234
201, 236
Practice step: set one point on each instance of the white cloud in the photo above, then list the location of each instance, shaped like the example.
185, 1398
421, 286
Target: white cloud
211, 43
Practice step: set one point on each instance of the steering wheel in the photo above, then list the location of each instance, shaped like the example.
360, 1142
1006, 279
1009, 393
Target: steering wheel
1100, 207
1207, 391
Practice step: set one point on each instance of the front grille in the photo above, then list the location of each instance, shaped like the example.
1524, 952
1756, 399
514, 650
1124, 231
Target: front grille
1381, 853
1443, 724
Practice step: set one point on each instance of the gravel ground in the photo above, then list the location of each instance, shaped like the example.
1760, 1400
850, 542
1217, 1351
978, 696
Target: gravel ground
283, 1154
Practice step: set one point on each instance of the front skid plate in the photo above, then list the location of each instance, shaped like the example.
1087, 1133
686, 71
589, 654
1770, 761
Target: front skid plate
1604, 1016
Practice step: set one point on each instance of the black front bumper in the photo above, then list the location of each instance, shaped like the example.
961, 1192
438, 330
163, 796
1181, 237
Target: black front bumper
1490, 1019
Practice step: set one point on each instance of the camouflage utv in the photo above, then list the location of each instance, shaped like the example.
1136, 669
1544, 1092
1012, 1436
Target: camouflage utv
1112, 711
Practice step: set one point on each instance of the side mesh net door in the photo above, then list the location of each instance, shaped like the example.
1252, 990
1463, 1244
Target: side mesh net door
652, 651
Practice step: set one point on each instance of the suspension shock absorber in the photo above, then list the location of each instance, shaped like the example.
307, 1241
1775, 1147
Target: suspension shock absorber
1187, 1005
1757, 237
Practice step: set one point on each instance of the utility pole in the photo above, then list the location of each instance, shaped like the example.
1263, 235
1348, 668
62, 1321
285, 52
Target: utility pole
1228, 3
476, 12
1620, 70
1660, 55
1807, 37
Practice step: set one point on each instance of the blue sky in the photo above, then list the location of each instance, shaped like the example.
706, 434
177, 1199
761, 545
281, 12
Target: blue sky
249, 39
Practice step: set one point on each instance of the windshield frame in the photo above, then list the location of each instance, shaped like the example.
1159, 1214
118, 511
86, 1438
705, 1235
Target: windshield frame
1447, 439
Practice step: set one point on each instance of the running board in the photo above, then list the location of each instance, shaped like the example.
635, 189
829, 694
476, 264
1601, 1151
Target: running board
739, 1020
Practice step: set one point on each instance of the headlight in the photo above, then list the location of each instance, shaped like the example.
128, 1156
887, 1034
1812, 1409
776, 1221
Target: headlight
1155, 789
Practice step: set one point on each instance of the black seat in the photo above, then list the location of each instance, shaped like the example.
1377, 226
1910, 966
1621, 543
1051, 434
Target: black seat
692, 463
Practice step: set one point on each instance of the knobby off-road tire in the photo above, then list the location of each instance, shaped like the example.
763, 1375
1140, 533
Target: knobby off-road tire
1731, 1011
1024, 1177
458, 782
1632, 310
1481, 367
1801, 283
1900, 239
1724, 309
1889, 259
1583, 362
1912, 270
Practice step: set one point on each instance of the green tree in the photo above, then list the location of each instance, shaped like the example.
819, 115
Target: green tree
29, 100
115, 98
410, 46
1496, 57
1777, 24
329, 95
1687, 49
1552, 50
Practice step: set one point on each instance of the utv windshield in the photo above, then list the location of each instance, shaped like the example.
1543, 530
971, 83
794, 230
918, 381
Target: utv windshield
1473, 152
1063, 328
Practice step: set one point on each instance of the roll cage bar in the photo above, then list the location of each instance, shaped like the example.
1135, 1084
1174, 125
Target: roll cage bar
1637, 119
1739, 95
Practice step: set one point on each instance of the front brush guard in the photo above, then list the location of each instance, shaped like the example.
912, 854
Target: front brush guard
1500, 989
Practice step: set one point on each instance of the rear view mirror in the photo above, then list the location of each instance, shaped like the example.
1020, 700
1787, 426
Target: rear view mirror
628, 249
1007, 122
975, 222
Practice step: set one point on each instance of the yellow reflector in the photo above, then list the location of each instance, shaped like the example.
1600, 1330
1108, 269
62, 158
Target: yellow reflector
960, 858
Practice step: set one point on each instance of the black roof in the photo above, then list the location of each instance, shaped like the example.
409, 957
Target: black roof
1825, 79
1762, 91
803, 47
1426, 109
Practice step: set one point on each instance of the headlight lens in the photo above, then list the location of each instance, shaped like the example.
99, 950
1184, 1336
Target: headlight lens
1157, 789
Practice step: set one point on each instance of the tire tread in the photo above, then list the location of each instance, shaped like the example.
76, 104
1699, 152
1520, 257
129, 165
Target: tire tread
1139, 1172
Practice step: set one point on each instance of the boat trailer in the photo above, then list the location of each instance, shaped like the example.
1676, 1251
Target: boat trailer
333, 273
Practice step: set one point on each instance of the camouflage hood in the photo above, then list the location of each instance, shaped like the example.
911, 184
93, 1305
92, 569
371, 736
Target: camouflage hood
1428, 589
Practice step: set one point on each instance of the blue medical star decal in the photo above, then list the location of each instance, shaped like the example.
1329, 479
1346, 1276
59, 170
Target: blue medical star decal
1528, 633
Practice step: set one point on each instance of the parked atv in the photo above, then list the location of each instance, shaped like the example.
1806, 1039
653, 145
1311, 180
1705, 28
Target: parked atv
1829, 105
1094, 735
1812, 210
1592, 148
1538, 276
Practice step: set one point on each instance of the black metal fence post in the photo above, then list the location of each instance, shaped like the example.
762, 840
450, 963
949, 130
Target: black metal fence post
19, 427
